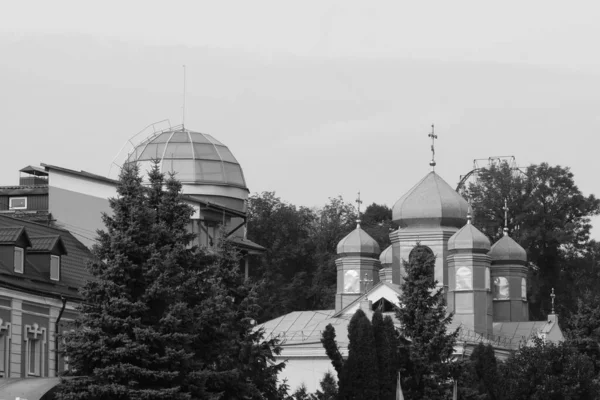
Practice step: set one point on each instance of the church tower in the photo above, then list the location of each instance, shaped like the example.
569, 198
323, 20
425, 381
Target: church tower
357, 265
469, 295
509, 279
428, 214
386, 259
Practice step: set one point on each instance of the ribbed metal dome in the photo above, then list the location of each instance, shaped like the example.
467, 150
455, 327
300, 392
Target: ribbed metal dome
196, 158
358, 242
431, 203
469, 238
386, 257
507, 250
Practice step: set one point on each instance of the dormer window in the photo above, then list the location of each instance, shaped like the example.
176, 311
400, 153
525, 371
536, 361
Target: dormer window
17, 203
55, 268
19, 260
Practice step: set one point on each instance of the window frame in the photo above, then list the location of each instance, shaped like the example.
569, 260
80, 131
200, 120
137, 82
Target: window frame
21, 268
10, 200
469, 282
53, 257
496, 293
6, 338
524, 289
35, 338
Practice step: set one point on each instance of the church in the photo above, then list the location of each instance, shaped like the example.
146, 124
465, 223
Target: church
485, 285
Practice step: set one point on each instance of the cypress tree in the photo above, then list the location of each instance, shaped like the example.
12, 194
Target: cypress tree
385, 356
424, 323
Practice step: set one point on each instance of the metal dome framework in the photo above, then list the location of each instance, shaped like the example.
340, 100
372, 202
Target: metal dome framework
195, 158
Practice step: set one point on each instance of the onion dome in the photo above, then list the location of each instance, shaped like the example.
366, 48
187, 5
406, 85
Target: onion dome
386, 256
507, 250
358, 242
469, 238
431, 203
196, 158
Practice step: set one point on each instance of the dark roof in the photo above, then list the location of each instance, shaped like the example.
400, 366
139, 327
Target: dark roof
10, 234
84, 174
73, 264
32, 169
245, 244
23, 189
47, 243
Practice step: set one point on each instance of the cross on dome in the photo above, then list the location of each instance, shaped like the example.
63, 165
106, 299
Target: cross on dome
505, 208
366, 281
358, 203
433, 136
552, 296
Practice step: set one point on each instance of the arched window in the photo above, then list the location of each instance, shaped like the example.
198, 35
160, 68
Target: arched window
351, 282
523, 289
420, 250
464, 278
501, 291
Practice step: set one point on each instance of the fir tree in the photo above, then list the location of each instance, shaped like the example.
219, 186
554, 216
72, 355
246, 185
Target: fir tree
385, 346
144, 327
424, 322
329, 388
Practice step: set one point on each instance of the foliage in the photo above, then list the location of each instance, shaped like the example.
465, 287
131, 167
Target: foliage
423, 321
377, 222
161, 319
331, 349
329, 388
386, 346
549, 217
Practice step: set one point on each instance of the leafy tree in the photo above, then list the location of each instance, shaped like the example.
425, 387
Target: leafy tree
485, 370
549, 217
377, 222
160, 319
423, 321
549, 371
583, 327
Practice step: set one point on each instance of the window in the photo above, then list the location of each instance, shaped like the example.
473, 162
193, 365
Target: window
35, 346
18, 262
523, 289
351, 282
17, 203
487, 279
4, 349
501, 288
55, 268
464, 278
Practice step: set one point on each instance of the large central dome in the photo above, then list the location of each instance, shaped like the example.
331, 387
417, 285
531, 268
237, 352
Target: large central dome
431, 203
196, 158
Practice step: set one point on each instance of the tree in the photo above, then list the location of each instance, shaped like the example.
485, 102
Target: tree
161, 319
377, 222
549, 217
329, 388
386, 346
423, 322
485, 370
360, 377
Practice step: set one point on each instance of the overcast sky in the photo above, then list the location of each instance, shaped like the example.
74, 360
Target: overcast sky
314, 98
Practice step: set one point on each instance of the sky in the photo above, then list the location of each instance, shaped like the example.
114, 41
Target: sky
314, 98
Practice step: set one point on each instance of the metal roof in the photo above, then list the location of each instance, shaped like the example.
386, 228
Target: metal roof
47, 243
506, 249
358, 241
469, 238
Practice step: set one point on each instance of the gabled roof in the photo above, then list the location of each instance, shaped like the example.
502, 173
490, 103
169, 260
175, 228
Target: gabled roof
47, 244
383, 290
11, 234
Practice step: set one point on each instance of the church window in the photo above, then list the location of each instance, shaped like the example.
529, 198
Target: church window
501, 291
464, 278
487, 279
19, 259
35, 342
523, 289
4, 349
351, 282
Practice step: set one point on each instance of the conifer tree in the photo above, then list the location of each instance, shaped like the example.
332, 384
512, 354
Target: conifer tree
424, 322
144, 330
385, 346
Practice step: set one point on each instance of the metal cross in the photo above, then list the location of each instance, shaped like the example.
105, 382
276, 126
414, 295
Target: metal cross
366, 281
433, 136
358, 203
505, 208
552, 295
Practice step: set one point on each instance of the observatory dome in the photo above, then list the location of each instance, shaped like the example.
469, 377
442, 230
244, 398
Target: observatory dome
203, 165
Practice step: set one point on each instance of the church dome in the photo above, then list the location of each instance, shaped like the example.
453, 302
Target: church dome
431, 203
469, 238
386, 256
358, 242
506, 249
196, 158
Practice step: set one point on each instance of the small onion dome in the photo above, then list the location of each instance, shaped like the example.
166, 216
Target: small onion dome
431, 203
358, 242
507, 250
469, 238
386, 256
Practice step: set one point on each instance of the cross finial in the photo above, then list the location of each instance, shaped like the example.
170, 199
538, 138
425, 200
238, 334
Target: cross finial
358, 203
366, 281
552, 296
469, 210
433, 136
505, 208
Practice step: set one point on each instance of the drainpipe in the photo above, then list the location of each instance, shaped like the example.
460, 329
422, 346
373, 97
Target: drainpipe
64, 304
